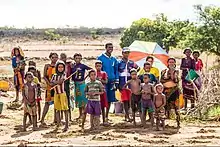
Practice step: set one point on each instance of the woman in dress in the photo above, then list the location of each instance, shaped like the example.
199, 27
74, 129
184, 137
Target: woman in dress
189, 89
18, 65
169, 79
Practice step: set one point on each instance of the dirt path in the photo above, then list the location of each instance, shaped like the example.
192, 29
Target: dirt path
119, 133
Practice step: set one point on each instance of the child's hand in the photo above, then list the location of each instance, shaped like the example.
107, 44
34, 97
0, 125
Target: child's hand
143, 92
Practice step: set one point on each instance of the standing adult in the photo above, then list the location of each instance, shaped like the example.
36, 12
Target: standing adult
68, 66
189, 91
153, 70
110, 66
49, 71
124, 67
18, 65
170, 81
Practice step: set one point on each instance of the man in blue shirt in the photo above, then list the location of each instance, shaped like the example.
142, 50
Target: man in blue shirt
110, 66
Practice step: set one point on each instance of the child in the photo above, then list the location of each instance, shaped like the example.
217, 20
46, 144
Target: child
60, 98
159, 103
37, 73
32, 69
102, 77
198, 69
147, 67
29, 97
146, 100
93, 90
135, 87
79, 80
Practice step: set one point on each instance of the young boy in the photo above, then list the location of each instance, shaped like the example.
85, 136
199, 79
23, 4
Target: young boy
37, 73
32, 69
135, 87
147, 67
29, 96
159, 103
60, 98
146, 100
103, 78
93, 90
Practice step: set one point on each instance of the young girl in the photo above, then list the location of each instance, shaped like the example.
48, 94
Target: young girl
198, 68
60, 98
18, 65
189, 92
159, 103
102, 77
32, 69
79, 80
29, 97
93, 90
135, 87
146, 100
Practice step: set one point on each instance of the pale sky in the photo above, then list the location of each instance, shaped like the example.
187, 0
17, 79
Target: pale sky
92, 13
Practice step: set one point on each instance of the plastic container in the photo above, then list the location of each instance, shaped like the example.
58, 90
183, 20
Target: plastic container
118, 107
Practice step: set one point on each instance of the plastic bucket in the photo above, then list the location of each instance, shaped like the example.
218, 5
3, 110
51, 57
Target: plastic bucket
118, 95
1, 107
125, 94
118, 107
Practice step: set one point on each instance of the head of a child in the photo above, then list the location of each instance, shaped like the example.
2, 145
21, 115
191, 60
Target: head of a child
187, 52
32, 69
60, 67
53, 57
77, 57
31, 63
147, 66
98, 65
146, 78
29, 77
92, 75
16, 51
159, 88
63, 57
133, 74
196, 54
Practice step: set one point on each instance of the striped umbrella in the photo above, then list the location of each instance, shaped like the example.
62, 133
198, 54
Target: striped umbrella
141, 49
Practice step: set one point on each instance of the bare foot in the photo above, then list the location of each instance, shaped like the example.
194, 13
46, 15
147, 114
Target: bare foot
24, 130
65, 129
35, 129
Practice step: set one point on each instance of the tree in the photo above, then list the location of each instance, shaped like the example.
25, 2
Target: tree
146, 30
206, 35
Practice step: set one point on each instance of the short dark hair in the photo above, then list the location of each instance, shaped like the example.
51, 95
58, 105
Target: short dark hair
32, 63
31, 68
28, 73
107, 44
91, 71
146, 74
196, 52
187, 49
52, 53
133, 70
171, 59
63, 54
77, 54
149, 57
146, 63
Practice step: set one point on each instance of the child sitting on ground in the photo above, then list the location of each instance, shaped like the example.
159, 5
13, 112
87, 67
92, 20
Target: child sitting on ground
146, 100
135, 87
93, 90
102, 77
159, 103
29, 97
60, 98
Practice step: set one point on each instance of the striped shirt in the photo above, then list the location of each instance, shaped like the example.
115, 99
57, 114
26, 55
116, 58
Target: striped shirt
60, 87
94, 86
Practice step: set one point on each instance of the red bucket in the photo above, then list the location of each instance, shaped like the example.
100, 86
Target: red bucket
125, 94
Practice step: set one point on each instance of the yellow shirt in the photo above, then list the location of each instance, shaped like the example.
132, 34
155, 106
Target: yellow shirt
153, 71
36, 81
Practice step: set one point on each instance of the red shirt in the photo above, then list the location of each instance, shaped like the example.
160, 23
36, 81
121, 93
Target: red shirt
101, 75
198, 65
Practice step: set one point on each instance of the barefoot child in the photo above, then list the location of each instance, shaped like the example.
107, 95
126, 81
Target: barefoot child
93, 90
32, 69
29, 96
159, 103
102, 77
79, 80
146, 100
135, 87
60, 98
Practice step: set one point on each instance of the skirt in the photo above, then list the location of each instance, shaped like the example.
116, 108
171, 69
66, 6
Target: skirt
80, 97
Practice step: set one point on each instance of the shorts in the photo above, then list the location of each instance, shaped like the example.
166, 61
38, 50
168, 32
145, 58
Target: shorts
49, 95
60, 101
147, 105
38, 99
93, 108
103, 100
160, 114
32, 110
136, 103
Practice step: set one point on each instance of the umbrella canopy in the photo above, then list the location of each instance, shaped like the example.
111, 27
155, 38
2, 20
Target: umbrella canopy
141, 49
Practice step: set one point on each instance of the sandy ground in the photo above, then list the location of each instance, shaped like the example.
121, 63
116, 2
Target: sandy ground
119, 133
